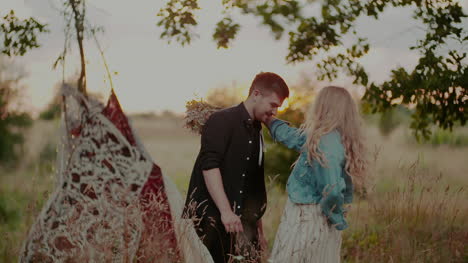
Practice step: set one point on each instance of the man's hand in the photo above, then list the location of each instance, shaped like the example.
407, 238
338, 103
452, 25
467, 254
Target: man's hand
231, 222
214, 183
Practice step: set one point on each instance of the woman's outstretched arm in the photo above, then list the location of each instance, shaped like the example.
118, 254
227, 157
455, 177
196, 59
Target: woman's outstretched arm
289, 136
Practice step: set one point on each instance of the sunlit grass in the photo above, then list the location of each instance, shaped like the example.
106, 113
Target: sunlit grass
416, 209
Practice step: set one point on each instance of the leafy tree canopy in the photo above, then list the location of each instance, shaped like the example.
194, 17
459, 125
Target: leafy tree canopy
19, 35
435, 87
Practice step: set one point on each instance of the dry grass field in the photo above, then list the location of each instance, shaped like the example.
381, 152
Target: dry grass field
416, 209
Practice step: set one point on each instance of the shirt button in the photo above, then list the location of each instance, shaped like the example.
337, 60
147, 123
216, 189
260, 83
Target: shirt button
248, 158
250, 141
243, 175
240, 191
238, 206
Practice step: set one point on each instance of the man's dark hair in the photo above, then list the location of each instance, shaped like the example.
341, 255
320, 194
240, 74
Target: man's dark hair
270, 82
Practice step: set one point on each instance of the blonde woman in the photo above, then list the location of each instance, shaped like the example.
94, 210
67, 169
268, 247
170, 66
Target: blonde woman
331, 160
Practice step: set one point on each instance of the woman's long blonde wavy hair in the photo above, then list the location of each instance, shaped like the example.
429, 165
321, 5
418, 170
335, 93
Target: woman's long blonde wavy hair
334, 108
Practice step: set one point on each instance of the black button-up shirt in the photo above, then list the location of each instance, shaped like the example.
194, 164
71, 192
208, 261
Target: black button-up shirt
230, 141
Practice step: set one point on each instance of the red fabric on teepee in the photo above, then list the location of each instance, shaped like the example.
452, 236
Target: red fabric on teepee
158, 237
111, 203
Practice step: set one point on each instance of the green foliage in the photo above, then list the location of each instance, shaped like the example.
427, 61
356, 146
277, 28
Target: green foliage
8, 215
225, 96
45, 163
52, 112
19, 35
178, 20
12, 120
443, 137
226, 30
458, 137
436, 87
10, 134
47, 156
278, 159
392, 118
387, 122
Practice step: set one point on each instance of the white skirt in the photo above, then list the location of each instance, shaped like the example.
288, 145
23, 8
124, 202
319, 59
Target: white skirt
304, 236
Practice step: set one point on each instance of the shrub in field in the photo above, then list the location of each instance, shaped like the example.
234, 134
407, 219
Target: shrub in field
391, 119
8, 215
458, 137
12, 119
278, 159
444, 137
52, 112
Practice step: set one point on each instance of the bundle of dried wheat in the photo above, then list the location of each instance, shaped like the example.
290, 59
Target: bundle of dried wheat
197, 113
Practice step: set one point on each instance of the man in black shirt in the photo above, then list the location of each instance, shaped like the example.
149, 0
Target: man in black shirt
227, 196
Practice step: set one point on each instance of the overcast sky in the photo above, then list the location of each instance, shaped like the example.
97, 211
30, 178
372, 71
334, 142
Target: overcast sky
154, 75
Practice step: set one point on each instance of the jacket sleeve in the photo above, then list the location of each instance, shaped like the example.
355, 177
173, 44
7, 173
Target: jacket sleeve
332, 185
289, 136
214, 141
348, 191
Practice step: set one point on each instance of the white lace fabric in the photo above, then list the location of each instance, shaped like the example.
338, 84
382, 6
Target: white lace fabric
94, 213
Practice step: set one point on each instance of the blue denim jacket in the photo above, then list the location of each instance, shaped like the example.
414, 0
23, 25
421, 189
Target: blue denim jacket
328, 185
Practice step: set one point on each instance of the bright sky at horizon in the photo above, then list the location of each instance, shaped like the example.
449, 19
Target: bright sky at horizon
154, 76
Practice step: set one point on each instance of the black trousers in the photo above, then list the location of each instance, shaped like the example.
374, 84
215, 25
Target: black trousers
225, 247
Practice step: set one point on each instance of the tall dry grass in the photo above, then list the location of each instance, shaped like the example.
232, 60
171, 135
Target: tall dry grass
415, 211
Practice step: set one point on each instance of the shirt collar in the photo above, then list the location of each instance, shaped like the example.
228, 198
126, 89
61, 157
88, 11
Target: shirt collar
246, 119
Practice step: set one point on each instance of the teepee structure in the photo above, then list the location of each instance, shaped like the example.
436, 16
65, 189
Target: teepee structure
111, 202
